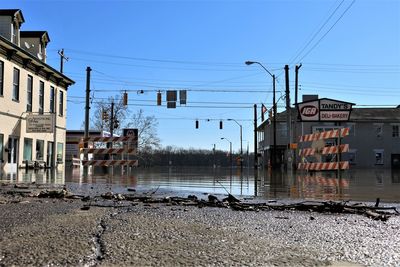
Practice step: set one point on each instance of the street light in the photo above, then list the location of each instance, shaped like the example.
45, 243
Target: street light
241, 147
273, 161
230, 148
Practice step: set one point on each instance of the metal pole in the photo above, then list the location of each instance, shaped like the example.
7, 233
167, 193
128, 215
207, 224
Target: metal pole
241, 143
241, 149
61, 53
296, 87
87, 108
255, 136
230, 151
274, 123
288, 117
55, 130
214, 165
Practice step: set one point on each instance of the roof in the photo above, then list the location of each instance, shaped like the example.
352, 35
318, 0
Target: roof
9, 46
324, 98
375, 114
356, 115
35, 34
12, 12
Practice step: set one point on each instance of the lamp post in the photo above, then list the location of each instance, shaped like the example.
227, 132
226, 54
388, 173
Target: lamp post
273, 161
241, 147
214, 164
230, 149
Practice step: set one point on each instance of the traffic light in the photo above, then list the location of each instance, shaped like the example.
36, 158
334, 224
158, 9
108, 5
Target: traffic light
104, 115
116, 124
220, 125
125, 99
197, 124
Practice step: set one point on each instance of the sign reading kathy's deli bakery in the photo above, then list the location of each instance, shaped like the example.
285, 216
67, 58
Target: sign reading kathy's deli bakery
324, 109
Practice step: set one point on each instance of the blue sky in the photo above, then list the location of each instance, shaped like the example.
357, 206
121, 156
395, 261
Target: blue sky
201, 46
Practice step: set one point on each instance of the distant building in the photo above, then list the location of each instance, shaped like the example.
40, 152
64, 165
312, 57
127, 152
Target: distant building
33, 97
374, 138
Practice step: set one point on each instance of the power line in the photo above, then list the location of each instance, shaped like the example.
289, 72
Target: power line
182, 106
316, 33
347, 85
187, 89
194, 102
326, 33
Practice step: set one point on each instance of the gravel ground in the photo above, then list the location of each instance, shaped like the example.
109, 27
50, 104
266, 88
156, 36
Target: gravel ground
45, 232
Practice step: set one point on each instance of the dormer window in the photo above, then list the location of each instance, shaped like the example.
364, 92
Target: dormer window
35, 42
11, 21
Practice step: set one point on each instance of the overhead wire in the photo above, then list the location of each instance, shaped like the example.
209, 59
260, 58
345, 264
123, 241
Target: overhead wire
328, 31
316, 33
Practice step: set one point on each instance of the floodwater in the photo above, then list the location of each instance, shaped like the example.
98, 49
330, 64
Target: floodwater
355, 184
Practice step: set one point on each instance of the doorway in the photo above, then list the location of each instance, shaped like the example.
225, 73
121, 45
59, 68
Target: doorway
12, 154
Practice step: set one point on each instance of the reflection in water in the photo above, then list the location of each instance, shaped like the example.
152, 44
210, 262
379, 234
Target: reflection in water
41, 176
357, 185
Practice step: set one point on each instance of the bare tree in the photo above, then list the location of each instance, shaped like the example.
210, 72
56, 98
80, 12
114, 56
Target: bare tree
104, 106
147, 130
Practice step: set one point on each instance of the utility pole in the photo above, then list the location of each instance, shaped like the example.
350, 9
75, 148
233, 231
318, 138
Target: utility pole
255, 136
288, 117
62, 58
87, 108
296, 85
274, 122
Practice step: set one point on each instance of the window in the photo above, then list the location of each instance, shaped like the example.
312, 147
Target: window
395, 130
15, 96
1, 147
41, 97
378, 129
14, 33
39, 149
52, 99
29, 89
1, 77
282, 128
61, 104
27, 149
378, 156
60, 150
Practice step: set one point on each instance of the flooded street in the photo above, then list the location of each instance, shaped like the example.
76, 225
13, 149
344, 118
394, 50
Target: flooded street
355, 185
82, 223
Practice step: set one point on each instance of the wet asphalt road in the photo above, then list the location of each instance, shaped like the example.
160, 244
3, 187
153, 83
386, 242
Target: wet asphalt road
46, 232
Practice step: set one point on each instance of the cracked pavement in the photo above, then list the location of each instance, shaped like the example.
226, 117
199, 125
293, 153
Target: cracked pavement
44, 232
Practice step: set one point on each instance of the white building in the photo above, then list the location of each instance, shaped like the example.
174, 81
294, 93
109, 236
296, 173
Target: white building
33, 98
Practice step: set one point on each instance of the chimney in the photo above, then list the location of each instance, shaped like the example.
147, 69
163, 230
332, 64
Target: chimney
310, 97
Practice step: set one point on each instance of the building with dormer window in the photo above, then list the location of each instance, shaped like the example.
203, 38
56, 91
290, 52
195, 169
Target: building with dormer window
33, 98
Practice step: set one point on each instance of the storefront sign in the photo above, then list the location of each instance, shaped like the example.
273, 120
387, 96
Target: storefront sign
324, 109
40, 123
